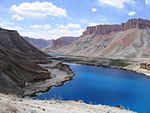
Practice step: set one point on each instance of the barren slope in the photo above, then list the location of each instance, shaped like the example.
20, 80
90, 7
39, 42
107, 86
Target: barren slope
17, 63
109, 41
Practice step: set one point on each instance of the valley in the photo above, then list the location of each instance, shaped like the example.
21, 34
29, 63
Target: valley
30, 67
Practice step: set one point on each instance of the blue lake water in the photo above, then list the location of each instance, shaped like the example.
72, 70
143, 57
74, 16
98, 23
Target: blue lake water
55, 54
105, 86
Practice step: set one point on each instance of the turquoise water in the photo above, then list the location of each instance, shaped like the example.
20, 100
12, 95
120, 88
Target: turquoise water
105, 86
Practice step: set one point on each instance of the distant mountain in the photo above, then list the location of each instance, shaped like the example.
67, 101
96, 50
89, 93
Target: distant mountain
126, 40
59, 43
18, 62
39, 43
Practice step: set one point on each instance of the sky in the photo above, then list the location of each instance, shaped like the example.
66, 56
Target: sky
52, 19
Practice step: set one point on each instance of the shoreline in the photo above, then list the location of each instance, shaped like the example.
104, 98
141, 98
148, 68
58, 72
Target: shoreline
120, 68
49, 87
59, 77
12, 104
132, 67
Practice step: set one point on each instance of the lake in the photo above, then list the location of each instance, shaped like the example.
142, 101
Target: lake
98, 85
55, 54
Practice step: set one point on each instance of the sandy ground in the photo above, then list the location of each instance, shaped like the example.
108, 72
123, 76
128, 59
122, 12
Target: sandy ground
11, 104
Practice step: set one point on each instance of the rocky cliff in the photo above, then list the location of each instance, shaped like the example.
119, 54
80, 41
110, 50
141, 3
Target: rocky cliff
127, 40
59, 43
18, 63
130, 24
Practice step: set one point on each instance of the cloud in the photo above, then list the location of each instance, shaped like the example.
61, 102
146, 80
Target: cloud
45, 31
132, 13
16, 17
93, 24
37, 9
70, 25
116, 3
51, 34
41, 27
7, 25
94, 9
102, 23
147, 2
4, 24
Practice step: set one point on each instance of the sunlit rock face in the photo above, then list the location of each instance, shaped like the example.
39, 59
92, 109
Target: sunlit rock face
106, 29
59, 43
127, 40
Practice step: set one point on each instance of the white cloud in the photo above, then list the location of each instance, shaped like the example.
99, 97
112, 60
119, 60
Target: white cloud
46, 32
41, 27
51, 34
147, 2
57, 33
132, 13
17, 28
70, 25
69, 18
53, 18
94, 9
7, 25
117, 3
93, 24
37, 9
16, 17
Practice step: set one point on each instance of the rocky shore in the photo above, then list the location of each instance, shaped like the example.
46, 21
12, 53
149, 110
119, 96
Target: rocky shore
59, 74
12, 104
129, 65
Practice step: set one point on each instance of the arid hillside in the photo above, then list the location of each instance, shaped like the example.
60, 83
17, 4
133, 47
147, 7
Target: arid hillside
18, 63
127, 40
59, 43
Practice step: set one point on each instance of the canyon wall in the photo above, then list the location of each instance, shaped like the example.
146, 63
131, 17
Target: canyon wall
106, 29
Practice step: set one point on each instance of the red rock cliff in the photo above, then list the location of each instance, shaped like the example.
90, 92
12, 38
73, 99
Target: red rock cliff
106, 29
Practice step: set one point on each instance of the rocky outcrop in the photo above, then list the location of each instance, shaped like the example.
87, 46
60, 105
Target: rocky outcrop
60, 42
63, 67
17, 66
102, 29
106, 29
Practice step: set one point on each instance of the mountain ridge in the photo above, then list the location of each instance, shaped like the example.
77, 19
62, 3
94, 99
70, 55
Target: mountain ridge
38, 43
128, 40
106, 29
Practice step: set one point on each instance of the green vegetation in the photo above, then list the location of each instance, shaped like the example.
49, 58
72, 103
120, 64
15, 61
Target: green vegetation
118, 62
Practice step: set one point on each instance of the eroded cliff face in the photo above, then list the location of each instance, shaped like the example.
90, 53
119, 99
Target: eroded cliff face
59, 43
18, 63
106, 29
127, 40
